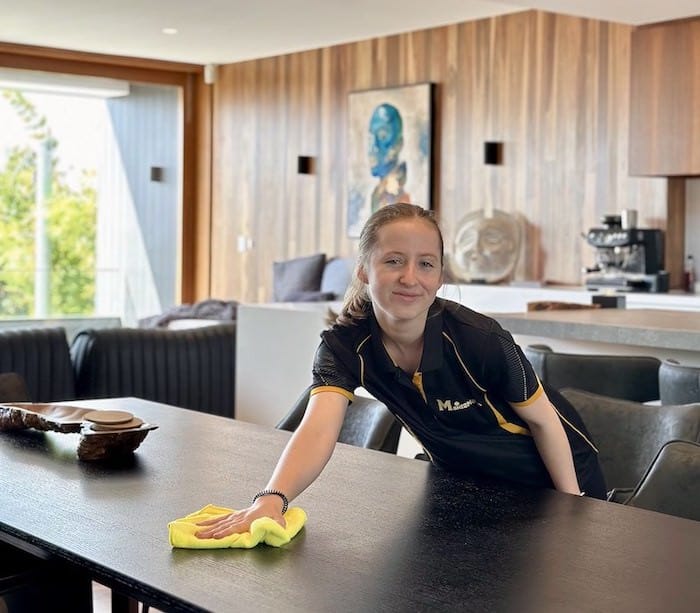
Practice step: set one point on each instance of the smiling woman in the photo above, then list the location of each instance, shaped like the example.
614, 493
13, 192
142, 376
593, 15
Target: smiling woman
452, 377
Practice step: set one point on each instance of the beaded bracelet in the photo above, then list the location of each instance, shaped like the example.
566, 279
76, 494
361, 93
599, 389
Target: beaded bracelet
285, 502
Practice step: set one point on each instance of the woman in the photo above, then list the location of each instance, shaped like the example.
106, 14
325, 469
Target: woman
453, 377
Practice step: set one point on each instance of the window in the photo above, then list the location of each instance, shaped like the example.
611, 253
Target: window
90, 193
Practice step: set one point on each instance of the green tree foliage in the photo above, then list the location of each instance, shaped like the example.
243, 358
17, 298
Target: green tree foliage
71, 227
17, 233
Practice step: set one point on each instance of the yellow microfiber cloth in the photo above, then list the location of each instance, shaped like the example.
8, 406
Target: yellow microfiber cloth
262, 530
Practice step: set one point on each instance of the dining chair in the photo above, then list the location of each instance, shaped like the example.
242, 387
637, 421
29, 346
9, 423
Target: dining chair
40, 582
628, 377
628, 434
678, 384
672, 482
368, 423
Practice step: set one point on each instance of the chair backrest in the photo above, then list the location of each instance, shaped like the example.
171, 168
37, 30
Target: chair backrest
672, 482
628, 434
620, 376
368, 423
678, 384
40, 356
191, 368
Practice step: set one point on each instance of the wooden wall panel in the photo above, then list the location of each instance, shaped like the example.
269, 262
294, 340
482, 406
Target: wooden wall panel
554, 89
665, 99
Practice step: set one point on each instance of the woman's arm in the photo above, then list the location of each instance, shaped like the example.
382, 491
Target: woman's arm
551, 442
302, 460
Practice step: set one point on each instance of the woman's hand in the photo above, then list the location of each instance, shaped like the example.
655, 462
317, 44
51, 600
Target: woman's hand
240, 521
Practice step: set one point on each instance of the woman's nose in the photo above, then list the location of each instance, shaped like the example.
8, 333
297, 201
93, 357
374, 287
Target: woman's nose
408, 276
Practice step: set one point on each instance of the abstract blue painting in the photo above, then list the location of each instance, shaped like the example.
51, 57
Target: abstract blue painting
389, 150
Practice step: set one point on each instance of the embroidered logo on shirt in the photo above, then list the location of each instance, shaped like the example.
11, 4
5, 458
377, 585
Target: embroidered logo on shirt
450, 405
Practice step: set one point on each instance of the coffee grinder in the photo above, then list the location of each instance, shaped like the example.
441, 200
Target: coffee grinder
627, 258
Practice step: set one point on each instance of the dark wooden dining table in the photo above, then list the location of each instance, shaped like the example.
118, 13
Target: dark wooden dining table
384, 533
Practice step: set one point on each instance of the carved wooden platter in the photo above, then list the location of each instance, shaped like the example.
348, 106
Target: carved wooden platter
103, 433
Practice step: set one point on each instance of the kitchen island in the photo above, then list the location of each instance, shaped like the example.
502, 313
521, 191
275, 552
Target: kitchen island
655, 332
652, 328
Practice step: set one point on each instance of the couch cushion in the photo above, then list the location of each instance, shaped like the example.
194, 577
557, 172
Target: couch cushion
336, 276
297, 275
193, 368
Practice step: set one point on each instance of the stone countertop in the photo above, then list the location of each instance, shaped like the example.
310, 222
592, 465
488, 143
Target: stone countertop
664, 329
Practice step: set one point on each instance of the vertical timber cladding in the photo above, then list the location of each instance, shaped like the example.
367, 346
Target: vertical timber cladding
553, 89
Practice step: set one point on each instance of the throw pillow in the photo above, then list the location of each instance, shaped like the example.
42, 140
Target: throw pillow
297, 275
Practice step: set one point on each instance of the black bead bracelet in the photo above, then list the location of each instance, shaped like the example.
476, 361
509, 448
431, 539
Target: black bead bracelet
285, 502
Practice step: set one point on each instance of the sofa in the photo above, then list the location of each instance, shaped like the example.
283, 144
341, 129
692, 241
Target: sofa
189, 368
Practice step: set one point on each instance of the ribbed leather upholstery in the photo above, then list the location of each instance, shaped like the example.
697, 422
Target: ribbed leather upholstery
629, 377
629, 434
678, 384
191, 368
368, 423
41, 357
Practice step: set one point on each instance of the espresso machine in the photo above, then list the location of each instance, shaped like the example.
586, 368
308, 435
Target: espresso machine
627, 258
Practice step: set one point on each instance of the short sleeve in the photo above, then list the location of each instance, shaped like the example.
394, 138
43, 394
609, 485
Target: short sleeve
508, 370
329, 371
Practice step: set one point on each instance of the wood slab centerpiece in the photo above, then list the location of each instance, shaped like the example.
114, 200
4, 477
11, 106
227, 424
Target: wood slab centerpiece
103, 434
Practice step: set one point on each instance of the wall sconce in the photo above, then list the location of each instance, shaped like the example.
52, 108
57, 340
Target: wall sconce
493, 153
305, 165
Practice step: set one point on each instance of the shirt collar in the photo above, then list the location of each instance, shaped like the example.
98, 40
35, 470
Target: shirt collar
432, 344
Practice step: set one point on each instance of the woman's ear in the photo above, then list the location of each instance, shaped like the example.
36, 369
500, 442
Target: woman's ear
362, 274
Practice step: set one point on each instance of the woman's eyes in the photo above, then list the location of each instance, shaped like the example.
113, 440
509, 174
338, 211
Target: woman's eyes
399, 261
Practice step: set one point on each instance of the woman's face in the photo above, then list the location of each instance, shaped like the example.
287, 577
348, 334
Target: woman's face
404, 271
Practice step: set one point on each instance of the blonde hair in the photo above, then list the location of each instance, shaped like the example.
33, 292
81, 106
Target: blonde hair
356, 297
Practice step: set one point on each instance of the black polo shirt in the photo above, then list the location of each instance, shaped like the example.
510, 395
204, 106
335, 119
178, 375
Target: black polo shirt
458, 404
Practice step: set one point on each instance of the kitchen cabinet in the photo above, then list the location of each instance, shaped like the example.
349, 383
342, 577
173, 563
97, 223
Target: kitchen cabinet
665, 99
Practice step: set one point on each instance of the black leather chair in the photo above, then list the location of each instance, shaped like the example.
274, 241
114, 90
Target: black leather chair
672, 483
633, 378
368, 423
40, 356
678, 384
629, 434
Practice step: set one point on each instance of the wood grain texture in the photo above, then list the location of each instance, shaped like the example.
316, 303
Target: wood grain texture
553, 89
675, 231
665, 97
197, 240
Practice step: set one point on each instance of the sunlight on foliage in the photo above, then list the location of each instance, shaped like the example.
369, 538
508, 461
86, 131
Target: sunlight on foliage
71, 227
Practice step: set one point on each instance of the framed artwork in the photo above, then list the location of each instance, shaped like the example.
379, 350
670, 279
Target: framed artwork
390, 150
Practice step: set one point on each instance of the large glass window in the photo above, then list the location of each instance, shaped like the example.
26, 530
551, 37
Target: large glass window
90, 193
